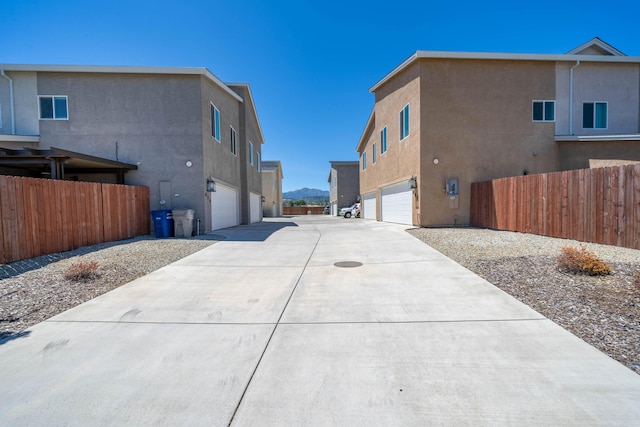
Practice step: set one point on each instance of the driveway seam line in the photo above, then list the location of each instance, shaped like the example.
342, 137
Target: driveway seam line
244, 392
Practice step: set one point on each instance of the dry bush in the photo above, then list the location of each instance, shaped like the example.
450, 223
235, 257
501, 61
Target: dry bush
82, 271
580, 260
636, 280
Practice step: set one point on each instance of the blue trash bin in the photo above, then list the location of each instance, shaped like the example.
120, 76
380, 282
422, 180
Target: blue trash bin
163, 223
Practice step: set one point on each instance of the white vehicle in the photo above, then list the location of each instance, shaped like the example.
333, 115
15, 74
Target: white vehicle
353, 210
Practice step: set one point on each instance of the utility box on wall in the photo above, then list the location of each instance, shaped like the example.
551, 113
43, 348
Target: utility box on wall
451, 187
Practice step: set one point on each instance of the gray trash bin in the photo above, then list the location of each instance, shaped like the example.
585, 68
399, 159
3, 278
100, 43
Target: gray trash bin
183, 222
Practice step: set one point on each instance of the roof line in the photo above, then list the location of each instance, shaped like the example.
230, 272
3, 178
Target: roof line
366, 127
429, 54
255, 112
121, 70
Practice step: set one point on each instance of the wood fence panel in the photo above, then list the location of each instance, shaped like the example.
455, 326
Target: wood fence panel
40, 216
593, 205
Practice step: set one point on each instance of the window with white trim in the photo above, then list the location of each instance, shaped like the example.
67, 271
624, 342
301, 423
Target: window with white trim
543, 111
364, 161
215, 123
233, 145
373, 154
383, 140
594, 115
251, 154
404, 122
53, 107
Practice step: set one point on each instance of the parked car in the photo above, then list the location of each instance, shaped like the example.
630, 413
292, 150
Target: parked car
353, 210
327, 210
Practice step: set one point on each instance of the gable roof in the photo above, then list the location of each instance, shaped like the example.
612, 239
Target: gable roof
595, 46
121, 70
595, 50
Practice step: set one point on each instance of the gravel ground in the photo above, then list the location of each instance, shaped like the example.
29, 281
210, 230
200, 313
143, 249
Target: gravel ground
34, 290
604, 311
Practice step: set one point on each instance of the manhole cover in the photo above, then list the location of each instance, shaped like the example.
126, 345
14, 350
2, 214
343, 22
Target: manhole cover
348, 264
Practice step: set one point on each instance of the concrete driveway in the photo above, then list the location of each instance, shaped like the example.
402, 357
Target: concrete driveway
264, 330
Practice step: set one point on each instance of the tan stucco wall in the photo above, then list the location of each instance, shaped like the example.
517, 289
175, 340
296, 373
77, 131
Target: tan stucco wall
402, 159
616, 84
576, 155
477, 121
271, 191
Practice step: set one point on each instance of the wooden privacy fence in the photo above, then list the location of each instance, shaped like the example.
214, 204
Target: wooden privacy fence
302, 210
589, 205
41, 216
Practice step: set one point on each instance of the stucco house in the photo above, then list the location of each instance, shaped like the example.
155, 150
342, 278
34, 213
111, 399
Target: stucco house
180, 131
272, 177
344, 185
442, 120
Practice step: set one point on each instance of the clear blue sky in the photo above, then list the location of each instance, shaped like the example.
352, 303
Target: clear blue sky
310, 64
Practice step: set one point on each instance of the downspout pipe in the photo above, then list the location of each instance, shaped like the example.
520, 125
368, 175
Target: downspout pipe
571, 96
12, 101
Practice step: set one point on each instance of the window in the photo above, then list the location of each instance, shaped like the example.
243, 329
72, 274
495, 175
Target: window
259, 164
251, 154
544, 111
215, 123
373, 155
53, 108
594, 115
234, 147
364, 161
383, 140
404, 122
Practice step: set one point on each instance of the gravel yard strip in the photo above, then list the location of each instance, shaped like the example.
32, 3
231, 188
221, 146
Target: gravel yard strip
604, 311
35, 290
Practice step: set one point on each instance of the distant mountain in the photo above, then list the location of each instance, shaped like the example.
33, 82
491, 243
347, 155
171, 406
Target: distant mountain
305, 193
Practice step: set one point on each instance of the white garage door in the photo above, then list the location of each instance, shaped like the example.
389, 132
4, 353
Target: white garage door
369, 205
397, 204
254, 204
224, 207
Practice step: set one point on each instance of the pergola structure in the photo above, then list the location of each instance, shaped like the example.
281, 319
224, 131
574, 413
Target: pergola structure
56, 163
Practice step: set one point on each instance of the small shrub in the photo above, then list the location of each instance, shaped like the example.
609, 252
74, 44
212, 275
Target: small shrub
580, 260
636, 280
82, 271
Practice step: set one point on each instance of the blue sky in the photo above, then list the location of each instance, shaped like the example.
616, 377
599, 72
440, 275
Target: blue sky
310, 64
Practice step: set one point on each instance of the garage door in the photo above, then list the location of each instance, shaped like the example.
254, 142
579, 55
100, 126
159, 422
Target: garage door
334, 209
397, 204
224, 207
254, 204
369, 205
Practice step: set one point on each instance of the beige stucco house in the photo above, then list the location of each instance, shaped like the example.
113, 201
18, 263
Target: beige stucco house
272, 177
180, 131
442, 120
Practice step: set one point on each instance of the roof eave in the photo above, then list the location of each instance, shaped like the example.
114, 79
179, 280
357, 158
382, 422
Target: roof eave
109, 69
366, 128
427, 54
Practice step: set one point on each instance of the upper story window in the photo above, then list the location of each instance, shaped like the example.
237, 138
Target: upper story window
383, 140
233, 145
373, 155
404, 122
259, 162
215, 123
53, 108
594, 115
364, 161
251, 154
544, 111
